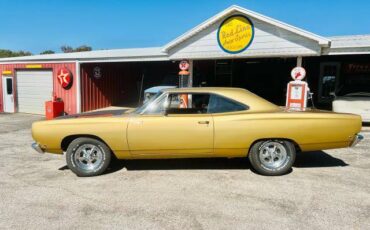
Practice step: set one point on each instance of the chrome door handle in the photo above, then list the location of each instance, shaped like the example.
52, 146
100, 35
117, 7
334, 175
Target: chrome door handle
203, 122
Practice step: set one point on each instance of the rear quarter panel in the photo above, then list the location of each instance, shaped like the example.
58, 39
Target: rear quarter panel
235, 133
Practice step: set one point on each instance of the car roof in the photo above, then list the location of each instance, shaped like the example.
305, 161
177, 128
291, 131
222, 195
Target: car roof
254, 102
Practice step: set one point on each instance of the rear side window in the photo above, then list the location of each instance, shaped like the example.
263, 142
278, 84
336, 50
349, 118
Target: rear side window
219, 104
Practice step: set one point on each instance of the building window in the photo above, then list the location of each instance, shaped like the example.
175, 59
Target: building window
9, 86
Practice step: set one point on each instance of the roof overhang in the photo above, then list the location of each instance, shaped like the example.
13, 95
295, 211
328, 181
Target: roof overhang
115, 55
348, 45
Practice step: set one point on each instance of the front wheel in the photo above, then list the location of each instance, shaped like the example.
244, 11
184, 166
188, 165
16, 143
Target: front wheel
88, 157
272, 157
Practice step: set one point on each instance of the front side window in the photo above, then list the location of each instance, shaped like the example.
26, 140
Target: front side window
219, 104
188, 103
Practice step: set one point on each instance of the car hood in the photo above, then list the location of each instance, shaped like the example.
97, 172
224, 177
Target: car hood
102, 113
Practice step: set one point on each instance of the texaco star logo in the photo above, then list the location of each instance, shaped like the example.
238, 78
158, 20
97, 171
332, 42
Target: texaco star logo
65, 78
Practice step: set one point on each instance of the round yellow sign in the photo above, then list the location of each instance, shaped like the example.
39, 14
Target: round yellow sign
235, 34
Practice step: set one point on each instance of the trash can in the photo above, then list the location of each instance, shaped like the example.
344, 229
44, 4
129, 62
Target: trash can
54, 108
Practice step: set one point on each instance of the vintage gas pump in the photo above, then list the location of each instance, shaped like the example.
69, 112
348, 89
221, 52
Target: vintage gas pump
184, 81
298, 90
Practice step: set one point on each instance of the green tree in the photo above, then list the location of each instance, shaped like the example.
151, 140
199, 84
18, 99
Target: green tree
70, 49
83, 48
8, 53
48, 52
67, 49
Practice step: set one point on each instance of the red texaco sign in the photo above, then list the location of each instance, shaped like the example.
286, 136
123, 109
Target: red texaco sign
65, 78
298, 73
184, 65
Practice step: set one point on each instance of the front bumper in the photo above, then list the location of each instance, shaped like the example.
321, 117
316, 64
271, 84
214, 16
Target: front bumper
37, 147
357, 139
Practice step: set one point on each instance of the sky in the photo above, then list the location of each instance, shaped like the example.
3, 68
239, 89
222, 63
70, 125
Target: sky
38, 25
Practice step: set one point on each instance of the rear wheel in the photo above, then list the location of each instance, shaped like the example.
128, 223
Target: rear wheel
88, 157
272, 157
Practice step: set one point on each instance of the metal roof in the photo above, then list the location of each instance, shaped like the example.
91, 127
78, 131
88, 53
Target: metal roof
154, 53
350, 41
350, 44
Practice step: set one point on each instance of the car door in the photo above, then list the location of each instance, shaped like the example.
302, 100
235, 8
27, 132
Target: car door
179, 133
232, 127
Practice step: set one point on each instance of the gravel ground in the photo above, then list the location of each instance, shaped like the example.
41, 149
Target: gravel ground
325, 190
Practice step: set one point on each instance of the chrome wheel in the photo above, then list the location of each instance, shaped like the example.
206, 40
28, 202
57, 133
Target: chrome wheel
88, 157
272, 154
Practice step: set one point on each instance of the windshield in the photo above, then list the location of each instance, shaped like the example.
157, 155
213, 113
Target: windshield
147, 103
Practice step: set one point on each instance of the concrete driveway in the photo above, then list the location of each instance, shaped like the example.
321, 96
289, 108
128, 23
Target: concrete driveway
325, 190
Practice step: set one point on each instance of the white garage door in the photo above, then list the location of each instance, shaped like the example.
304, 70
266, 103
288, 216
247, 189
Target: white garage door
33, 89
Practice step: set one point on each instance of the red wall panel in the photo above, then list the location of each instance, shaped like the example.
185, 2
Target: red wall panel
69, 96
119, 84
116, 87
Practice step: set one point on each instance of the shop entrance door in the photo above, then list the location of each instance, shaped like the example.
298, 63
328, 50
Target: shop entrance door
8, 94
329, 79
223, 73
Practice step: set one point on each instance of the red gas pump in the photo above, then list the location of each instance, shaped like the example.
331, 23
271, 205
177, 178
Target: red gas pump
54, 108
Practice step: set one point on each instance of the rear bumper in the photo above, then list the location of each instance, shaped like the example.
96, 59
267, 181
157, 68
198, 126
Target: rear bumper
37, 148
357, 139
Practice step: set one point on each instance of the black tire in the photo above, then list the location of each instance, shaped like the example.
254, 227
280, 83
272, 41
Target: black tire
99, 150
259, 161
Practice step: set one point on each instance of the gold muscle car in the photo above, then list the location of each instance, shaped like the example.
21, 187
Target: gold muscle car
196, 122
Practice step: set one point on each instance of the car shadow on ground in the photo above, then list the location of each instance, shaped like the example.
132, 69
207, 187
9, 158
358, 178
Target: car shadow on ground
303, 160
317, 159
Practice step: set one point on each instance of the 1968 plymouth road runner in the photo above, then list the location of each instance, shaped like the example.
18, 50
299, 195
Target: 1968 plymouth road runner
196, 122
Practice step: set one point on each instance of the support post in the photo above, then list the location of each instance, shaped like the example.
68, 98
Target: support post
299, 61
191, 73
78, 87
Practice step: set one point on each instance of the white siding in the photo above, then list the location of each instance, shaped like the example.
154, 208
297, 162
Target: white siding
33, 89
269, 41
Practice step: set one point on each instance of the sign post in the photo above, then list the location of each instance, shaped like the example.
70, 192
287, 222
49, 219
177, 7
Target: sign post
184, 74
297, 90
184, 82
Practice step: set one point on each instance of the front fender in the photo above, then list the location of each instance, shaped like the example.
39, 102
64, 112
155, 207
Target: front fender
50, 134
